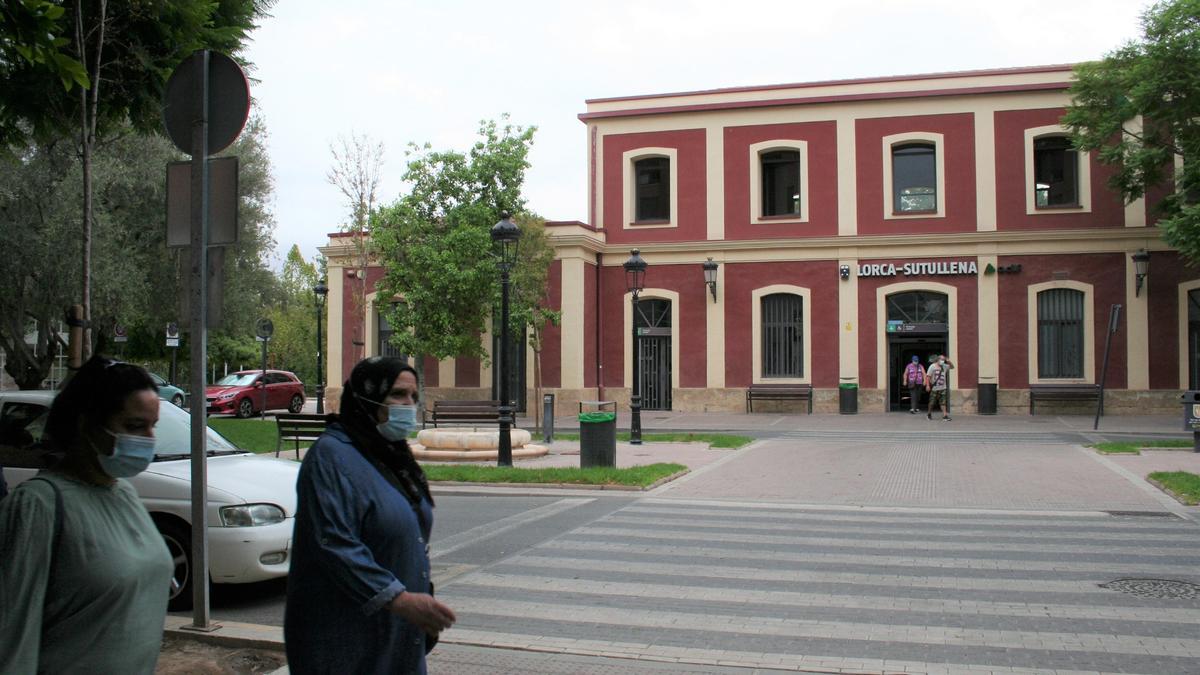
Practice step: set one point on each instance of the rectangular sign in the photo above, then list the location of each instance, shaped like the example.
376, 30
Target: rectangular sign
222, 202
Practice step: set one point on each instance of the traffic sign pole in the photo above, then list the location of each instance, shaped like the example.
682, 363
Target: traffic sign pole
199, 343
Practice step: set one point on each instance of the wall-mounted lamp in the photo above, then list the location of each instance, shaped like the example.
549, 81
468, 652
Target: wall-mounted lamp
1141, 269
844, 272
710, 277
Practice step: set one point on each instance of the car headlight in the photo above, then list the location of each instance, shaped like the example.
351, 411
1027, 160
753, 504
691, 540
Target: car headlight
250, 515
224, 397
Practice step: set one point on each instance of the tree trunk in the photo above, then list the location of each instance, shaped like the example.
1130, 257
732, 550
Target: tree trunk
88, 110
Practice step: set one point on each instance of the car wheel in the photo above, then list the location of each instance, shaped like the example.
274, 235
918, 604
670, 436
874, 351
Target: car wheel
177, 399
297, 404
245, 408
179, 543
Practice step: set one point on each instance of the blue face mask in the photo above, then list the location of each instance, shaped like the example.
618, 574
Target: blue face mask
402, 419
130, 456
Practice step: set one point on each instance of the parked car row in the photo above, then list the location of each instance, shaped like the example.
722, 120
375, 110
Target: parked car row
251, 499
242, 393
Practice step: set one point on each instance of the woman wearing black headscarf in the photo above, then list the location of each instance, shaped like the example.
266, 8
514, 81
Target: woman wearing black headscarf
359, 596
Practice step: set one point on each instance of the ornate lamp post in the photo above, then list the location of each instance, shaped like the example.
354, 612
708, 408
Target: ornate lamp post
507, 235
320, 290
635, 274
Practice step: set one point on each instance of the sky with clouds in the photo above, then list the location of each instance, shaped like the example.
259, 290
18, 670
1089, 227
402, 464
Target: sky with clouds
402, 71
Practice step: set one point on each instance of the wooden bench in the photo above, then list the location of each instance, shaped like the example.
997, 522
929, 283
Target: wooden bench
779, 392
298, 428
1063, 392
462, 413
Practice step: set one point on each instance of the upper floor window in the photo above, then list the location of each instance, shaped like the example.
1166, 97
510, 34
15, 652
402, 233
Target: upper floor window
780, 182
1060, 334
652, 189
782, 335
914, 178
1055, 172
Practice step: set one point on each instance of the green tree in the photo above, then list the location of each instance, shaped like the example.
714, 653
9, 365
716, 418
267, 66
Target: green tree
294, 344
31, 31
530, 294
1156, 77
137, 276
128, 49
435, 242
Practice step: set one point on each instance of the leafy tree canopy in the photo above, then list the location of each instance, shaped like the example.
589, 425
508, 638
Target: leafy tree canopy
142, 42
1156, 77
435, 242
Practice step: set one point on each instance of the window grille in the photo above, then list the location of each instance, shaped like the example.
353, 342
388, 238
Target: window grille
782, 335
1060, 333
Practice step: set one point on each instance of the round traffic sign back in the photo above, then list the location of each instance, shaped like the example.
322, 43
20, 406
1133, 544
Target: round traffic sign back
264, 328
228, 102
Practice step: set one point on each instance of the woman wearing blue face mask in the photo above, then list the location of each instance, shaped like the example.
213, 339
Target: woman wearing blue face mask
359, 595
84, 574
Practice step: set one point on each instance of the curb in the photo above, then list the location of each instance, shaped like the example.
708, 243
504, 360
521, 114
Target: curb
564, 486
227, 633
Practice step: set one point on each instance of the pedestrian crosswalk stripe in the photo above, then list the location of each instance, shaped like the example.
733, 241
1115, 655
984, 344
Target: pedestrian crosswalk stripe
583, 547
787, 599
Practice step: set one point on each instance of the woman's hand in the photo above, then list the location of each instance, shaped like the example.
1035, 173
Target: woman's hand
423, 611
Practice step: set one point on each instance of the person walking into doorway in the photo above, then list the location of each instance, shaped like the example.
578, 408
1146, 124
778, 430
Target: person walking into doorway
912, 380
936, 384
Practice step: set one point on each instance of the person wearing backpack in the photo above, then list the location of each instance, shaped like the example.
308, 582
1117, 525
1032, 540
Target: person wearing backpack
913, 380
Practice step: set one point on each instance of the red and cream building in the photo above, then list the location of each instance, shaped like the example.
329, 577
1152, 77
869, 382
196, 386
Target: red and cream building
854, 224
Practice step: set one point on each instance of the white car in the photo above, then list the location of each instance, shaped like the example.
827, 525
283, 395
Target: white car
251, 499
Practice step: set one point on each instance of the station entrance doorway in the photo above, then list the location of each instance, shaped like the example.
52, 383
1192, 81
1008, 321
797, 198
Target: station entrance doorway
918, 324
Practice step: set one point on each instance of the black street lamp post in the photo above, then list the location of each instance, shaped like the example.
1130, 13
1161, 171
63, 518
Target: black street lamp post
320, 290
635, 273
507, 235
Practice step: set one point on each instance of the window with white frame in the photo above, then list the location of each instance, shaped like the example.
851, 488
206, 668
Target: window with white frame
779, 181
1055, 172
914, 175
914, 178
652, 189
782, 328
780, 171
1060, 333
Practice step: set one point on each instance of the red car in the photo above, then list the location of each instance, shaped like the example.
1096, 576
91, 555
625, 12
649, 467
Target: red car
242, 393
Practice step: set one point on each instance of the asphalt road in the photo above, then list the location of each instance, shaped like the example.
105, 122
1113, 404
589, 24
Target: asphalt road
470, 531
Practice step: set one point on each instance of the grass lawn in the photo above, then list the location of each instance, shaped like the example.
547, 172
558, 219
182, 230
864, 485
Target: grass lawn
714, 440
1133, 447
253, 434
1184, 485
259, 436
639, 476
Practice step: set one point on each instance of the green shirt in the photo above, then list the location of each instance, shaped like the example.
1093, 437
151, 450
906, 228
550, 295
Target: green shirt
97, 603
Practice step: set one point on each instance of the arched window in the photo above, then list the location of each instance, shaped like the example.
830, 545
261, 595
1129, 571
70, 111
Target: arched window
914, 178
782, 335
386, 348
1055, 172
652, 189
780, 170
1060, 333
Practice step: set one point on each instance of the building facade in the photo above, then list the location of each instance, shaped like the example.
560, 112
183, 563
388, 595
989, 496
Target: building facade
854, 224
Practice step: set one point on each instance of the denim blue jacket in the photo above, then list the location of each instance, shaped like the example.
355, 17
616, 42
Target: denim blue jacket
357, 545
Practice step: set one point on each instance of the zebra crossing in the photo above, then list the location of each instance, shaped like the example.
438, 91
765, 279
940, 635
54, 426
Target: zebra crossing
790, 587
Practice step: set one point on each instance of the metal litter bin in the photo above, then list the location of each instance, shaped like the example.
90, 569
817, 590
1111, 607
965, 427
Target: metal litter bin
597, 433
848, 398
987, 398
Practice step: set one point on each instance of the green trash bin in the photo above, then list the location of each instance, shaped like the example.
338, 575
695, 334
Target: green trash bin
598, 434
848, 398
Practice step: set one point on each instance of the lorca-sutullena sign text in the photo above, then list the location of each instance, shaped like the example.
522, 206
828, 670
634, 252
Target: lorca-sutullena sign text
910, 269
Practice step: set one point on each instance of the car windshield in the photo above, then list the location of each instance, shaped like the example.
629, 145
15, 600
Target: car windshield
237, 380
172, 434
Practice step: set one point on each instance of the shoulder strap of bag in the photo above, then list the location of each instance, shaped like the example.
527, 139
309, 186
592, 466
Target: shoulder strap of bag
58, 522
